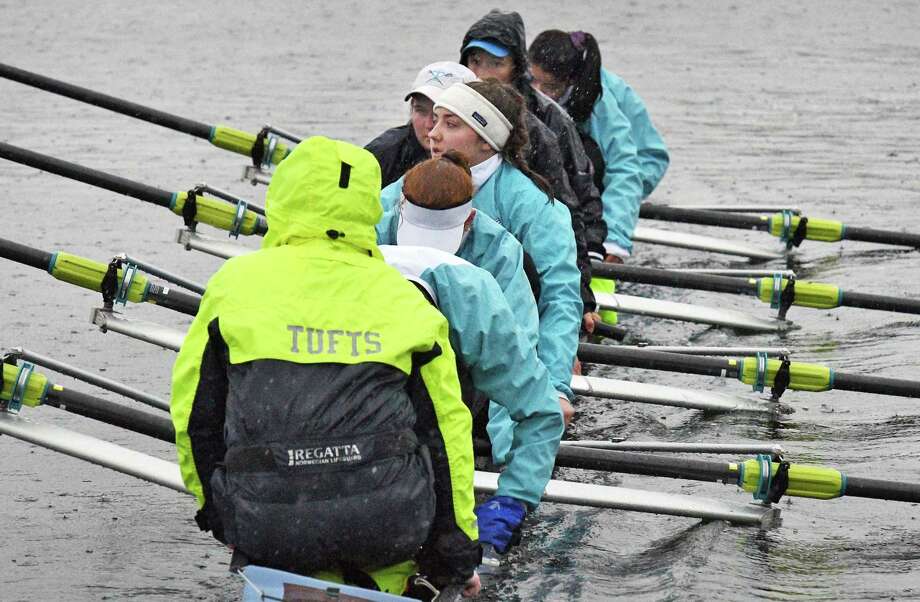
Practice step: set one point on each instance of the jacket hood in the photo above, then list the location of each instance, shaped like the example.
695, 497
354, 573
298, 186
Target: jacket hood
505, 28
325, 189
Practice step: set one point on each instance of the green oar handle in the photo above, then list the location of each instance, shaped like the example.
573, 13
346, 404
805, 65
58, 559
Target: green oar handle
882, 490
131, 109
704, 218
102, 410
86, 175
881, 302
886, 237
25, 255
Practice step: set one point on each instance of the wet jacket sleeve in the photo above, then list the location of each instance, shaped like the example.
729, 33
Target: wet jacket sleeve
199, 395
390, 195
622, 193
650, 148
546, 235
545, 158
504, 366
453, 551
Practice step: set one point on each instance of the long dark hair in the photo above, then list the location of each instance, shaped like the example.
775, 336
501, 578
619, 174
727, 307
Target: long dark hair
575, 58
511, 104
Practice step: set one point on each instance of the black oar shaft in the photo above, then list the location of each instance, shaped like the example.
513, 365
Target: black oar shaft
656, 360
882, 490
131, 109
887, 237
876, 384
705, 218
882, 302
87, 175
25, 255
112, 413
175, 299
645, 464
705, 282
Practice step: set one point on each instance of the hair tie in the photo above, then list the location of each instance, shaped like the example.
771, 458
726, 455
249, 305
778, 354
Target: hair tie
578, 39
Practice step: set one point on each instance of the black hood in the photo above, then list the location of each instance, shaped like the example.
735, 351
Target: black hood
506, 29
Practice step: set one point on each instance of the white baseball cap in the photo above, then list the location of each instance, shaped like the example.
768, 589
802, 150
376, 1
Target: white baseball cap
437, 77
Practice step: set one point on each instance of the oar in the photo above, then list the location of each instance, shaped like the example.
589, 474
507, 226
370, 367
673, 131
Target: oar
116, 282
757, 371
778, 292
768, 480
23, 386
221, 136
165, 473
193, 207
791, 229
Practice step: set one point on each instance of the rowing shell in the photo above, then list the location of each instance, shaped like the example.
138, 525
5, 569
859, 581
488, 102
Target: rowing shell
697, 242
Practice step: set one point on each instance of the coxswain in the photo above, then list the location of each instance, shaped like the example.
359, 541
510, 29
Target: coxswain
316, 403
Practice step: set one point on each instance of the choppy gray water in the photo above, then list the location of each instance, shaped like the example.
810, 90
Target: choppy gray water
813, 104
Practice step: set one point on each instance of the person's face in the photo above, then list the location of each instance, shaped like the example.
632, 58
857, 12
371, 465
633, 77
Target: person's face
451, 133
486, 65
421, 114
547, 83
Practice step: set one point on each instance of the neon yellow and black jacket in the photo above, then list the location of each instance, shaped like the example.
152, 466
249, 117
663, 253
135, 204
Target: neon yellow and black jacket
316, 403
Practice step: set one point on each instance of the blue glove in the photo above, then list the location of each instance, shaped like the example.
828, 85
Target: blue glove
499, 520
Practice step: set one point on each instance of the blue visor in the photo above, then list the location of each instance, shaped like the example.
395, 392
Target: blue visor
490, 47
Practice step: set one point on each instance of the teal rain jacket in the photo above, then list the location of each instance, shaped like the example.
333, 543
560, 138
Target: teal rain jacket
503, 364
635, 156
492, 248
544, 229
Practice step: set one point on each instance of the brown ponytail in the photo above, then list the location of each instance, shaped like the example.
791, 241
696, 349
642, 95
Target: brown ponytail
575, 58
511, 104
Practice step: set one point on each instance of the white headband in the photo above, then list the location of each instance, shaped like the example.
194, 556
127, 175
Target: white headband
478, 113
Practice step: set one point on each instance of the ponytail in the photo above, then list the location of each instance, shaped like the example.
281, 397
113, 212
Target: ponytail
575, 58
511, 104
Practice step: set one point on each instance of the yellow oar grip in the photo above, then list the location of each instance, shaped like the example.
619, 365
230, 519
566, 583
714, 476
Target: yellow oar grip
241, 142
217, 213
807, 294
32, 394
802, 377
88, 274
816, 229
804, 481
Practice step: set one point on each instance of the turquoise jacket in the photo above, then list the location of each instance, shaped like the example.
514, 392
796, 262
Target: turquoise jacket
503, 364
492, 248
635, 156
544, 229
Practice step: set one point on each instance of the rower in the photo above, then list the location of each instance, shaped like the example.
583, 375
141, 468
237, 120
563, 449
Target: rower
496, 351
495, 46
315, 399
484, 121
630, 156
402, 147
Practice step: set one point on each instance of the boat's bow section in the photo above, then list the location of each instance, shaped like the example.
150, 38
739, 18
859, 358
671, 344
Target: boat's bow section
263, 584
